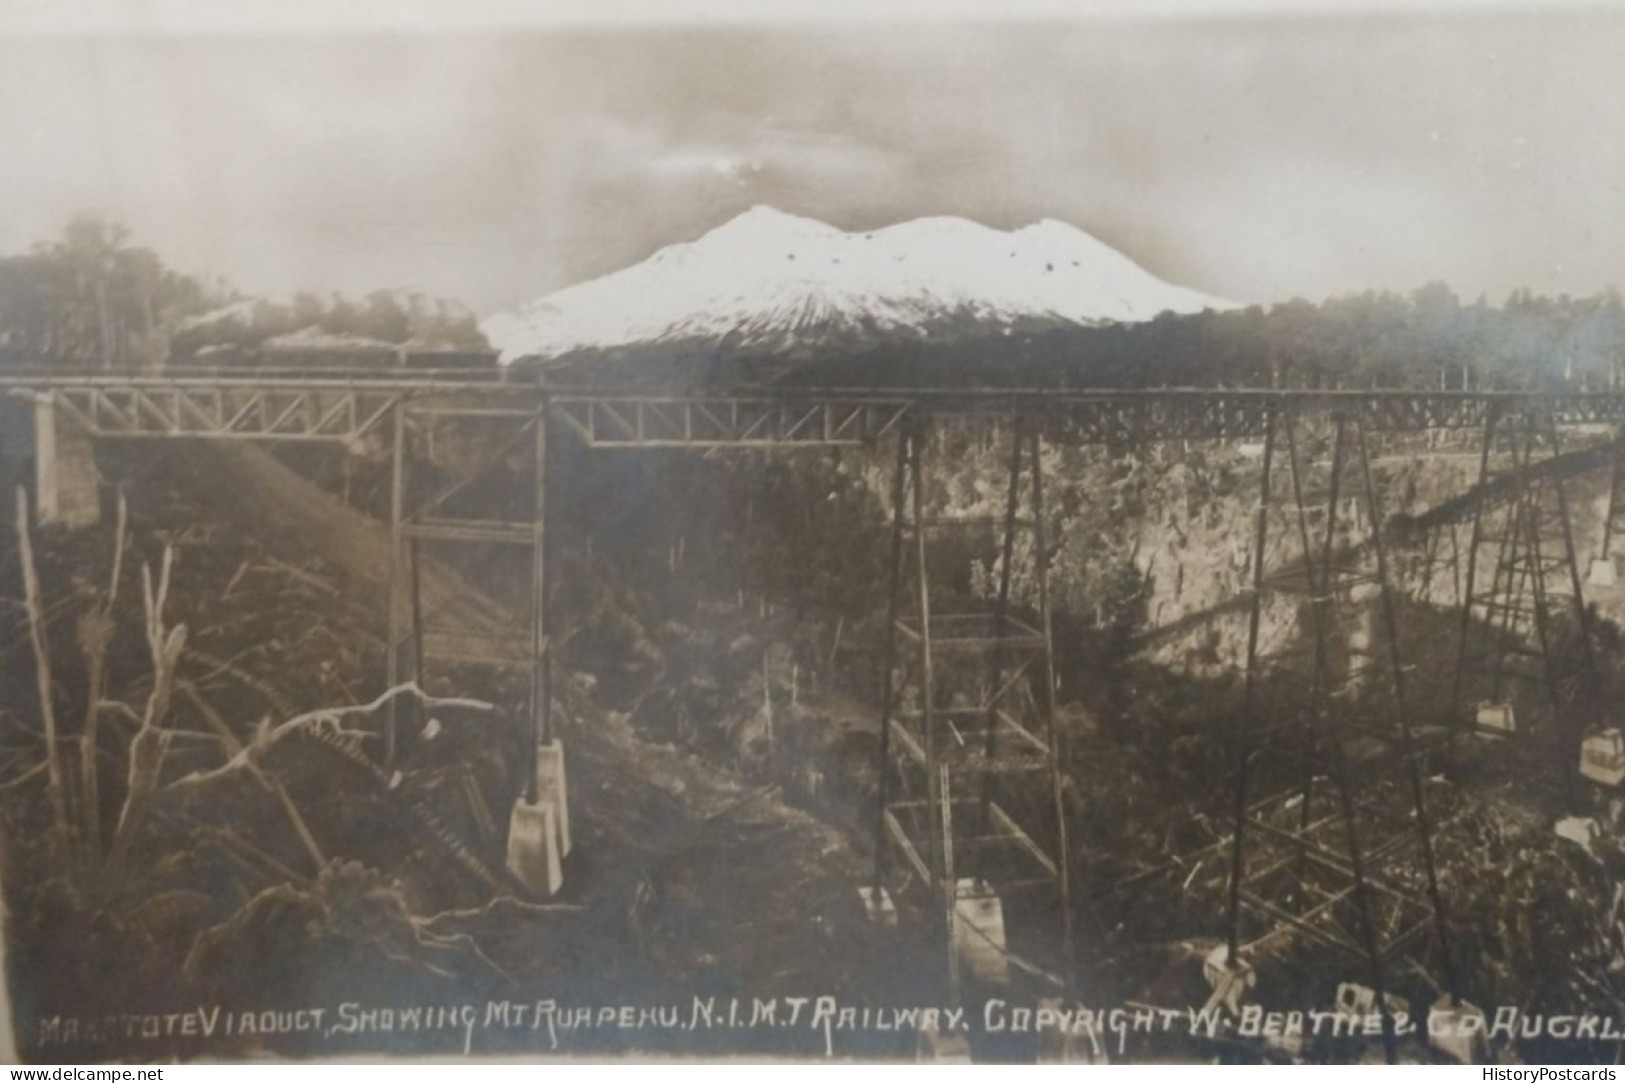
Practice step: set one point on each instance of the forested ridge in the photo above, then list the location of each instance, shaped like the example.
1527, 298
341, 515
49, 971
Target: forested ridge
1426, 339
93, 299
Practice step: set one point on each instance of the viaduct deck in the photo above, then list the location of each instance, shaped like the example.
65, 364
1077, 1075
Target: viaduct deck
350, 405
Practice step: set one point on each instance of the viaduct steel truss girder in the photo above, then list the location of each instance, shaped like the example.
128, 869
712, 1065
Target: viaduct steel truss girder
312, 406
254, 413
345, 411
838, 417
344, 406
1119, 418
727, 421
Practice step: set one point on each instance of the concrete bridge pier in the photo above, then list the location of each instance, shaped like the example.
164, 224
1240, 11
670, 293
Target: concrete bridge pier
534, 853
65, 478
539, 827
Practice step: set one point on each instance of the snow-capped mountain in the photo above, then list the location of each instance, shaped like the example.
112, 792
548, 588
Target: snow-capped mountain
769, 281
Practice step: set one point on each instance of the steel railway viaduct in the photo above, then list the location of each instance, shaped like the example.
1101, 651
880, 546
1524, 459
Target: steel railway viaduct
971, 808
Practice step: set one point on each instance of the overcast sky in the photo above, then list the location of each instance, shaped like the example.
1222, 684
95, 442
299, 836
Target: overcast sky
1256, 156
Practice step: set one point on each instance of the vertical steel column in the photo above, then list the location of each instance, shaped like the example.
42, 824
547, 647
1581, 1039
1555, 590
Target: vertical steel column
1321, 586
1616, 481
397, 525
419, 662
1249, 678
1001, 614
1296, 470
950, 895
1510, 581
889, 679
1424, 823
1570, 764
541, 691
1362, 898
1464, 626
1057, 740
1519, 559
413, 710
1430, 561
927, 678
1570, 557
1351, 837
1311, 722
1325, 598
1455, 563
1582, 616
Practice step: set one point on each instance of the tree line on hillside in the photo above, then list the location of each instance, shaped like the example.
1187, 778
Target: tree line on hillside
1425, 339
91, 299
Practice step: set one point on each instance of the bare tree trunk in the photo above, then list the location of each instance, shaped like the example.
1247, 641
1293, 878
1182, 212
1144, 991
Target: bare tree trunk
104, 323
55, 782
232, 747
148, 746
95, 636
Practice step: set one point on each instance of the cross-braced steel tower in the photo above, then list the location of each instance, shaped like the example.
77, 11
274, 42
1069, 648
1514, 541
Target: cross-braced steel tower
1522, 581
1332, 835
968, 717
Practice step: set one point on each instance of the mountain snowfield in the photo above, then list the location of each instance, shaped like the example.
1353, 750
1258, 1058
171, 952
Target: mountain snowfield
769, 280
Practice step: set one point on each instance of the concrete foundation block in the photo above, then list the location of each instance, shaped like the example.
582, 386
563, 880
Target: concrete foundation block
66, 484
1232, 981
878, 905
942, 1047
551, 789
533, 847
1075, 1044
1580, 830
1495, 718
1602, 757
1457, 1030
1356, 1001
979, 933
